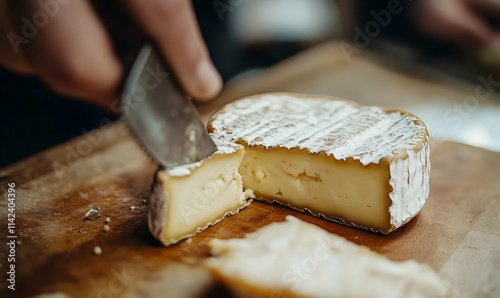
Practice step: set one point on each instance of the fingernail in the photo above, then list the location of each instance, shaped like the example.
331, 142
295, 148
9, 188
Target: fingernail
209, 81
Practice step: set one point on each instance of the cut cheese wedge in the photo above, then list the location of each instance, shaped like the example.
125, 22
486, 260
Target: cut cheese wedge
363, 166
297, 259
187, 199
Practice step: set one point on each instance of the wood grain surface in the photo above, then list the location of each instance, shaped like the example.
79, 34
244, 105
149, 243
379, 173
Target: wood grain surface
457, 233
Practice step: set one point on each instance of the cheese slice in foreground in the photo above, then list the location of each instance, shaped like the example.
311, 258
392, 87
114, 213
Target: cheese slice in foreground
187, 199
366, 167
297, 259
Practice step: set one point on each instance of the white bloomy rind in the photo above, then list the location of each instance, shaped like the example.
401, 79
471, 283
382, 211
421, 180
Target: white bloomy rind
186, 170
339, 128
410, 185
294, 258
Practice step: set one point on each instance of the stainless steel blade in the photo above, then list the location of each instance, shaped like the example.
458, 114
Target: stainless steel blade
162, 118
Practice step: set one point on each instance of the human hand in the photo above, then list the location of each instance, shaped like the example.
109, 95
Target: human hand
460, 21
73, 53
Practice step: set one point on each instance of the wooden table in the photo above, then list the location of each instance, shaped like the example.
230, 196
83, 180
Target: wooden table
457, 233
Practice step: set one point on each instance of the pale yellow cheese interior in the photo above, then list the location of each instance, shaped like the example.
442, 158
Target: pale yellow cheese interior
337, 189
203, 197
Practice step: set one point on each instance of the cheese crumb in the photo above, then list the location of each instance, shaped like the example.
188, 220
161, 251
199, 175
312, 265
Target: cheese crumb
132, 207
189, 240
108, 219
92, 214
105, 228
97, 250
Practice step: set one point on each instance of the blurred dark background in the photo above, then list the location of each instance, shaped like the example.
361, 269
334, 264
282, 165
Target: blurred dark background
242, 37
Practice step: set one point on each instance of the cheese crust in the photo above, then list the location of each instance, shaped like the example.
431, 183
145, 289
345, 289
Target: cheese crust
372, 164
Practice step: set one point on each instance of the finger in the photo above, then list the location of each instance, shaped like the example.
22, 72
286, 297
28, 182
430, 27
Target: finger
173, 27
470, 27
486, 7
11, 53
71, 50
455, 22
489, 8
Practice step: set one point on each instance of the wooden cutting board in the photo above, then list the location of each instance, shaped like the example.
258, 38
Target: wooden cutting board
457, 233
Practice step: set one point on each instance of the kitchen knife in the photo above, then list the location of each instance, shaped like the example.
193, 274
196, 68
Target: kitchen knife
161, 117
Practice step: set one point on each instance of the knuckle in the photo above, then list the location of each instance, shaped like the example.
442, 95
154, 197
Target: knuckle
77, 76
67, 72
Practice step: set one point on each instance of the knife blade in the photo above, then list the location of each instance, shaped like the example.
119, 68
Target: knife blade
161, 117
